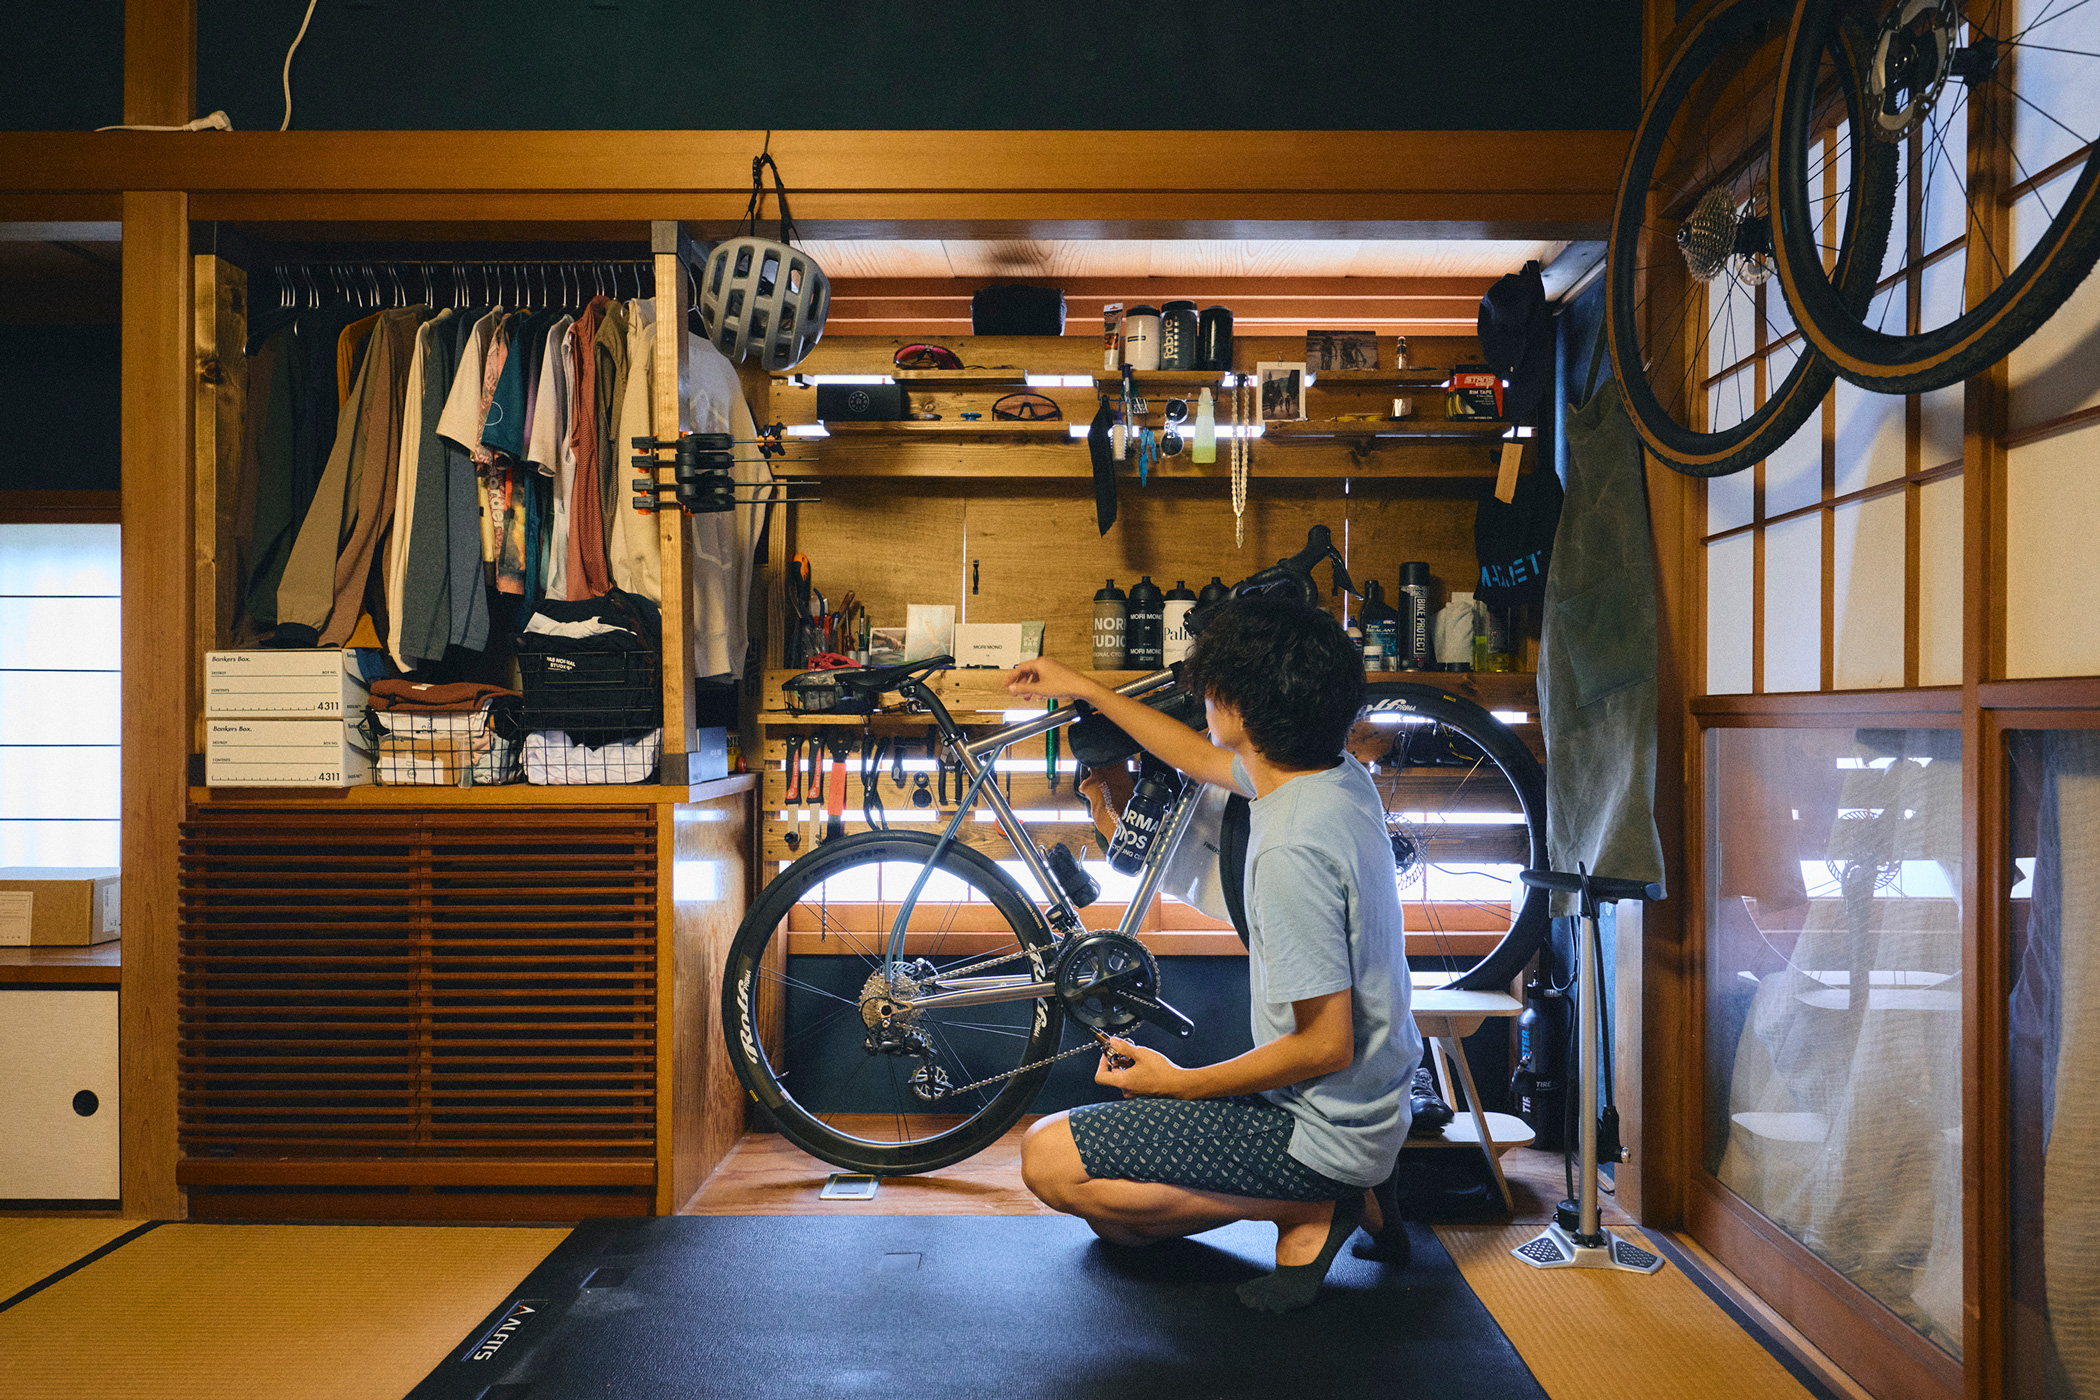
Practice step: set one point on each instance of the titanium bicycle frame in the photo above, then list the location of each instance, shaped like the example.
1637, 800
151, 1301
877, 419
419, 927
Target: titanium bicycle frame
977, 760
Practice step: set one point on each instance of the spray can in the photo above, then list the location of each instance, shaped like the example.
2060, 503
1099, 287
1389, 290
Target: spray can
1111, 617
1144, 816
1418, 645
1174, 623
1141, 635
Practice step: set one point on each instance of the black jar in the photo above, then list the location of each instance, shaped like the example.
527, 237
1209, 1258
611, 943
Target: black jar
1178, 327
1214, 338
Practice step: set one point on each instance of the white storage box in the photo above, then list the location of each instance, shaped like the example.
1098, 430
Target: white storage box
285, 753
453, 748
58, 1097
290, 684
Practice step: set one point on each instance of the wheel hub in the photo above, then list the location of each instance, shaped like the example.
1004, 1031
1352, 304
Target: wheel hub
1097, 971
1913, 55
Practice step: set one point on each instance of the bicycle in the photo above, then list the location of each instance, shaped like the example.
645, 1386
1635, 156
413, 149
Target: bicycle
952, 979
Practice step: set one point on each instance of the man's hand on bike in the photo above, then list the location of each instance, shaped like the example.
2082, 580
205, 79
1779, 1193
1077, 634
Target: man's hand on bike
1047, 678
1145, 1072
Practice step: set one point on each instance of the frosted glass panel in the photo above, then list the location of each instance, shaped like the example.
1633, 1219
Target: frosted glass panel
1794, 605
2052, 561
1729, 499
2059, 111
58, 843
43, 707
43, 560
1939, 582
1794, 472
1867, 594
1869, 437
58, 782
59, 634
1728, 616
2057, 370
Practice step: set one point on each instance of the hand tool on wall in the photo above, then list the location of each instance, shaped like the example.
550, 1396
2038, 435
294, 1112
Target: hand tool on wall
799, 637
897, 763
794, 768
1050, 754
813, 787
871, 782
940, 761
835, 790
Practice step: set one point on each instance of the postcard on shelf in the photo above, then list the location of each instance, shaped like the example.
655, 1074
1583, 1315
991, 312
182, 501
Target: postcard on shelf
1325, 350
1282, 391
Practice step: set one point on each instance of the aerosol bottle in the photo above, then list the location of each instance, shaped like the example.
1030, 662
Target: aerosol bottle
1418, 645
1111, 617
1174, 623
1144, 816
1141, 636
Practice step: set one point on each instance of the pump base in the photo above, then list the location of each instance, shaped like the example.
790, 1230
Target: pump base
1557, 1249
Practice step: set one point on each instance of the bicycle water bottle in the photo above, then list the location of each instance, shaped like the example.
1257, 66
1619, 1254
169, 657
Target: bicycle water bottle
1141, 638
1174, 623
1111, 614
1144, 817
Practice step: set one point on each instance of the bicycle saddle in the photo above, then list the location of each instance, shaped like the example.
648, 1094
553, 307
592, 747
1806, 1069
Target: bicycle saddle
879, 679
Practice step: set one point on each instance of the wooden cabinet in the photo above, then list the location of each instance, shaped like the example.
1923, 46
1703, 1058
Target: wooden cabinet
58, 1093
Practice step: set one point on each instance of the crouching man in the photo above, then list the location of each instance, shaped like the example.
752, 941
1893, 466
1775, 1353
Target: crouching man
1304, 1129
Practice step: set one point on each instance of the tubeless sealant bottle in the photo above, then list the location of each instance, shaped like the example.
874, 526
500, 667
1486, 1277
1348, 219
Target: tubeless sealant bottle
1143, 817
1111, 617
1174, 623
1141, 637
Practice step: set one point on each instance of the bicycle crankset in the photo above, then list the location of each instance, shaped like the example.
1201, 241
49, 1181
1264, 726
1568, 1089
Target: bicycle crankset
1110, 982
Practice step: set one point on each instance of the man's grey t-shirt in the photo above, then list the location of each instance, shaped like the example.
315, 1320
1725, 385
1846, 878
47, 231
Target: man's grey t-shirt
1323, 914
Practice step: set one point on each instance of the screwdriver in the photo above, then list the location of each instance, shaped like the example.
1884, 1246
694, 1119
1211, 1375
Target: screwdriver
1050, 754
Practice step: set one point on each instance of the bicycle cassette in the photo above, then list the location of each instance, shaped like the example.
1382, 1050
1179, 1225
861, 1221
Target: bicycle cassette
1109, 982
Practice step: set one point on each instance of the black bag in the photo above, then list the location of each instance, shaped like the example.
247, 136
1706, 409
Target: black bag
819, 693
1515, 541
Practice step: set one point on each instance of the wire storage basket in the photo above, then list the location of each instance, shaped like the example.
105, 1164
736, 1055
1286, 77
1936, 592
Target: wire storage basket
447, 748
593, 713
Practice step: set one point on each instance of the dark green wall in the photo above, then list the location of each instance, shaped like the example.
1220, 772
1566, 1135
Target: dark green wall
664, 64
59, 395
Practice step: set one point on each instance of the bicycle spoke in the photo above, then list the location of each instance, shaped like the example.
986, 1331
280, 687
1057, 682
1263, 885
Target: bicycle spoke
786, 981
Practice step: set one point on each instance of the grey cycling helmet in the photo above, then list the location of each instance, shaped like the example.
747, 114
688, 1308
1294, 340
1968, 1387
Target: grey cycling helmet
763, 295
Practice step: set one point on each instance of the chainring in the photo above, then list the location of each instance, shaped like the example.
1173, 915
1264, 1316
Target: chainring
1094, 968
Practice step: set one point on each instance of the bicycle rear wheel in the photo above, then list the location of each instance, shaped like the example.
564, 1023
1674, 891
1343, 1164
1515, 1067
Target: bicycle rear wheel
1710, 368
1989, 109
1466, 806
850, 1070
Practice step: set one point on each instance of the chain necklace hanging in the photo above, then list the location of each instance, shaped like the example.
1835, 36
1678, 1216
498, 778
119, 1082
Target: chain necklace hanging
1242, 446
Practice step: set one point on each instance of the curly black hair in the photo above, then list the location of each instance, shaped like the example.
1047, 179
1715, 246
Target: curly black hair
1290, 672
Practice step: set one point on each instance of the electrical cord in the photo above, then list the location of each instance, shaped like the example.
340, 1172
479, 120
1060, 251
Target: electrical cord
286, 125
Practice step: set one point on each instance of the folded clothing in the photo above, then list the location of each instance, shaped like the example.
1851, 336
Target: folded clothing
553, 759
448, 748
422, 695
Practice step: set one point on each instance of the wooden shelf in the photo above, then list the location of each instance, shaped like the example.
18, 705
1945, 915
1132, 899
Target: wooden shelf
1404, 429
1159, 380
94, 964
1425, 377
1056, 430
979, 378
498, 795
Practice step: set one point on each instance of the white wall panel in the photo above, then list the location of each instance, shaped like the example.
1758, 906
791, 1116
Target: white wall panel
1939, 582
1867, 594
1794, 605
2052, 556
1728, 597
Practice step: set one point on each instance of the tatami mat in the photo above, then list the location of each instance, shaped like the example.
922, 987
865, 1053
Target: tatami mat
34, 1248
1592, 1335
293, 1312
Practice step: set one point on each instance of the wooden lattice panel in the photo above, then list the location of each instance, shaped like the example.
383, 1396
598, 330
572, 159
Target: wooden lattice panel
443, 985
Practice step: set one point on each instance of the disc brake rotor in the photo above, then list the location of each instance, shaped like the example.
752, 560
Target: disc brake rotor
1913, 54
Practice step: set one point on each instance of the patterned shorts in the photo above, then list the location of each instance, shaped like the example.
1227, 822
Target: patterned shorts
1239, 1147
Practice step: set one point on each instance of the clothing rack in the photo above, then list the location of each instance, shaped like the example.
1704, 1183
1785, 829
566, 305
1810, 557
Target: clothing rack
525, 283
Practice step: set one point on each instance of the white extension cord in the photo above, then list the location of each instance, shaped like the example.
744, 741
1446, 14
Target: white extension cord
217, 121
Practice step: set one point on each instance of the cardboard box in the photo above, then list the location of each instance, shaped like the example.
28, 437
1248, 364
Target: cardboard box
285, 753
58, 905
285, 684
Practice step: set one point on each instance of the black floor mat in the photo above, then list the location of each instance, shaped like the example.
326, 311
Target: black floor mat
930, 1307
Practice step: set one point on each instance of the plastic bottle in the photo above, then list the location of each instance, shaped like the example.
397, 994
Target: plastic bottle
1142, 635
1381, 630
1111, 617
1143, 816
1214, 592
1418, 645
1494, 644
1363, 646
1174, 623
1206, 445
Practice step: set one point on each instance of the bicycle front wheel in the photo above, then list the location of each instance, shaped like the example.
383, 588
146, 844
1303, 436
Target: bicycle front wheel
1986, 109
1465, 806
853, 1070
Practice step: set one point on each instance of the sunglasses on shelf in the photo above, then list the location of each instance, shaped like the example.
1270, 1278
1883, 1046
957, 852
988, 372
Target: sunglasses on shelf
1026, 408
927, 357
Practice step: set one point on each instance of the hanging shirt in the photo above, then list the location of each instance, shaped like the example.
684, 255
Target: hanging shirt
463, 538
723, 544
635, 554
612, 391
547, 448
423, 622
401, 542
588, 574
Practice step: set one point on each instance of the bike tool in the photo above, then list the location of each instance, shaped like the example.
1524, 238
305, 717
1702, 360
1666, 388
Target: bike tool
1050, 755
835, 790
871, 810
897, 763
813, 787
792, 795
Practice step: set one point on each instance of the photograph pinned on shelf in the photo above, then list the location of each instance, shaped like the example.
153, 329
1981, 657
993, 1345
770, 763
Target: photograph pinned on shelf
1282, 391
1340, 350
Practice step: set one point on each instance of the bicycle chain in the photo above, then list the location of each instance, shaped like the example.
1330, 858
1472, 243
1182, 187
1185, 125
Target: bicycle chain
1038, 1064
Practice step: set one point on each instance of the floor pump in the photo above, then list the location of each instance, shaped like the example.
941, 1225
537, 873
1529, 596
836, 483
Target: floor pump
1582, 1242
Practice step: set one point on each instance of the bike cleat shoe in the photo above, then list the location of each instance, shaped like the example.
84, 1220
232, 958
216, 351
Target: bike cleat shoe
1431, 1113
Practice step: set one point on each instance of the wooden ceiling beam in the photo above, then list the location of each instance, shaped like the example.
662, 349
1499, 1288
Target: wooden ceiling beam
873, 183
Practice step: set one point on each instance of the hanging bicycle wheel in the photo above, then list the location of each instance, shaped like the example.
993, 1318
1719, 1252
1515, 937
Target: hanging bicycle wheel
1989, 111
1712, 371
853, 1066
1465, 806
